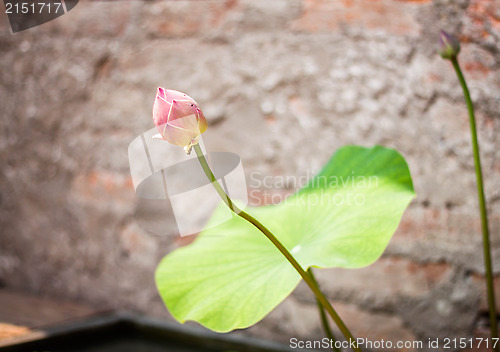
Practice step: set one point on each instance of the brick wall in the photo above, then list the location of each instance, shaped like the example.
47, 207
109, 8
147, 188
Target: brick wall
274, 78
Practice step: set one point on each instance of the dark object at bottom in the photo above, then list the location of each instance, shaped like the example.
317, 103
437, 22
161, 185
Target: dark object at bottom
132, 333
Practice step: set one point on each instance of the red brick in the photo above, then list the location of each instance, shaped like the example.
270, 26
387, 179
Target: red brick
477, 68
325, 15
101, 187
480, 282
484, 13
171, 18
386, 277
436, 228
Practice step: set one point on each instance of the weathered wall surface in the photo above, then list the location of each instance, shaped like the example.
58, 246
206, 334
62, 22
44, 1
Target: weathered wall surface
283, 84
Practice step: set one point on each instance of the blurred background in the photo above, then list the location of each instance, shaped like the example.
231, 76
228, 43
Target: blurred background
283, 84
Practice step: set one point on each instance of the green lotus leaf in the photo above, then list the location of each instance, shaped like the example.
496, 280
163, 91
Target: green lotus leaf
232, 276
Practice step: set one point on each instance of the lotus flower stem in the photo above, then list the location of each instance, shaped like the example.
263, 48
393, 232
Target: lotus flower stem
482, 205
310, 282
322, 314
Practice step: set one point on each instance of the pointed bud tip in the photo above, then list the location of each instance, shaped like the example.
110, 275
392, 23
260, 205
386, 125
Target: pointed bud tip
160, 92
449, 46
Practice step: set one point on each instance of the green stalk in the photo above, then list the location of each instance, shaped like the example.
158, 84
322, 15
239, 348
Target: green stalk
319, 295
324, 319
482, 205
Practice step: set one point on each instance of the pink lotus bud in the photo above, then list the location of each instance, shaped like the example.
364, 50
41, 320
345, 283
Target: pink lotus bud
449, 46
178, 119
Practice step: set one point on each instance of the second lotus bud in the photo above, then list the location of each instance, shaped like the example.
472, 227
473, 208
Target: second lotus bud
449, 46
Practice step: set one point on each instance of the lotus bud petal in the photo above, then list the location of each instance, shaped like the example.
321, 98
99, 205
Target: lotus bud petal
178, 118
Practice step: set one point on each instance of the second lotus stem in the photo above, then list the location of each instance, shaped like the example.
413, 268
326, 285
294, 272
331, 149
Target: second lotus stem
324, 318
482, 205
